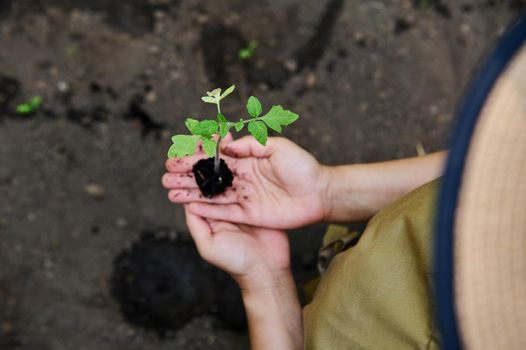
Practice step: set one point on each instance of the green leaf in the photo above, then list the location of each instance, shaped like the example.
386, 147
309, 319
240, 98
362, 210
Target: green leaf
183, 145
190, 124
209, 99
259, 131
254, 107
223, 125
29, 107
247, 52
228, 91
172, 151
205, 128
35, 102
221, 118
278, 117
214, 93
223, 129
24, 108
209, 146
239, 125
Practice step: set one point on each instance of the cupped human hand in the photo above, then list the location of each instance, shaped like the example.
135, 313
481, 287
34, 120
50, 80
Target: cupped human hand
254, 257
279, 186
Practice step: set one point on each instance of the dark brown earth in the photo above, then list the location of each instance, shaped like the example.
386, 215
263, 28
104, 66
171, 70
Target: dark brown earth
80, 179
210, 181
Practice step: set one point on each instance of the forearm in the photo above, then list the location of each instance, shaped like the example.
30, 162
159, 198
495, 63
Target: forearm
274, 313
357, 192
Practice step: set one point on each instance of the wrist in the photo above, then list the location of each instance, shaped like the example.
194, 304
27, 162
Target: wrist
274, 313
263, 280
345, 198
326, 192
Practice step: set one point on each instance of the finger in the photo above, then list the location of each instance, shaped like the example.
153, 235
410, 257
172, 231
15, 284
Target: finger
221, 212
189, 195
179, 180
228, 138
247, 147
217, 225
183, 165
200, 231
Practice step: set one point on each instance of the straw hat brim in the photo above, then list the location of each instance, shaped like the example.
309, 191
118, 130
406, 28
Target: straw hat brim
480, 258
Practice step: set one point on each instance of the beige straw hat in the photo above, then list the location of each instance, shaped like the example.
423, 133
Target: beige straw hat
480, 255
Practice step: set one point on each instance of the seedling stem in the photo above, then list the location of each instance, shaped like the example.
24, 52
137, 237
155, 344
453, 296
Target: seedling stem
216, 159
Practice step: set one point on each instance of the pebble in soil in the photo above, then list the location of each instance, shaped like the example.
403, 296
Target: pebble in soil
209, 181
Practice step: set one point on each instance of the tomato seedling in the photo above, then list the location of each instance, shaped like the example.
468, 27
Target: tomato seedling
29, 107
247, 52
203, 131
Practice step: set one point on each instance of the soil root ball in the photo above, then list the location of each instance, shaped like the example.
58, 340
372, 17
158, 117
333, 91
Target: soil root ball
211, 183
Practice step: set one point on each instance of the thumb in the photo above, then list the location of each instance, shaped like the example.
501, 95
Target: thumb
228, 138
247, 147
200, 232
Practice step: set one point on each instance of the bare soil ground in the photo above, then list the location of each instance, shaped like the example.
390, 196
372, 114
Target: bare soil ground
80, 179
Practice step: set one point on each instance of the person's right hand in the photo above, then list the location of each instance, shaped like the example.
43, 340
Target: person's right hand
278, 186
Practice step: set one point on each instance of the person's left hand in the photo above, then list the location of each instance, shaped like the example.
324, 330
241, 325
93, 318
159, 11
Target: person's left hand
255, 257
278, 186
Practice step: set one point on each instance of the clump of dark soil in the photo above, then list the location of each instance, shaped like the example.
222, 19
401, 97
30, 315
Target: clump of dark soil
309, 55
440, 7
9, 90
401, 26
221, 44
161, 284
135, 17
137, 113
516, 5
211, 183
89, 116
9, 308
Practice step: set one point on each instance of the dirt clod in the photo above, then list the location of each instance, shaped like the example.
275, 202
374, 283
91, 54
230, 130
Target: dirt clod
159, 283
211, 183
9, 90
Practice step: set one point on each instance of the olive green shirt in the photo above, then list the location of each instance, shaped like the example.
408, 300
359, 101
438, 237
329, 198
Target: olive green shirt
378, 294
